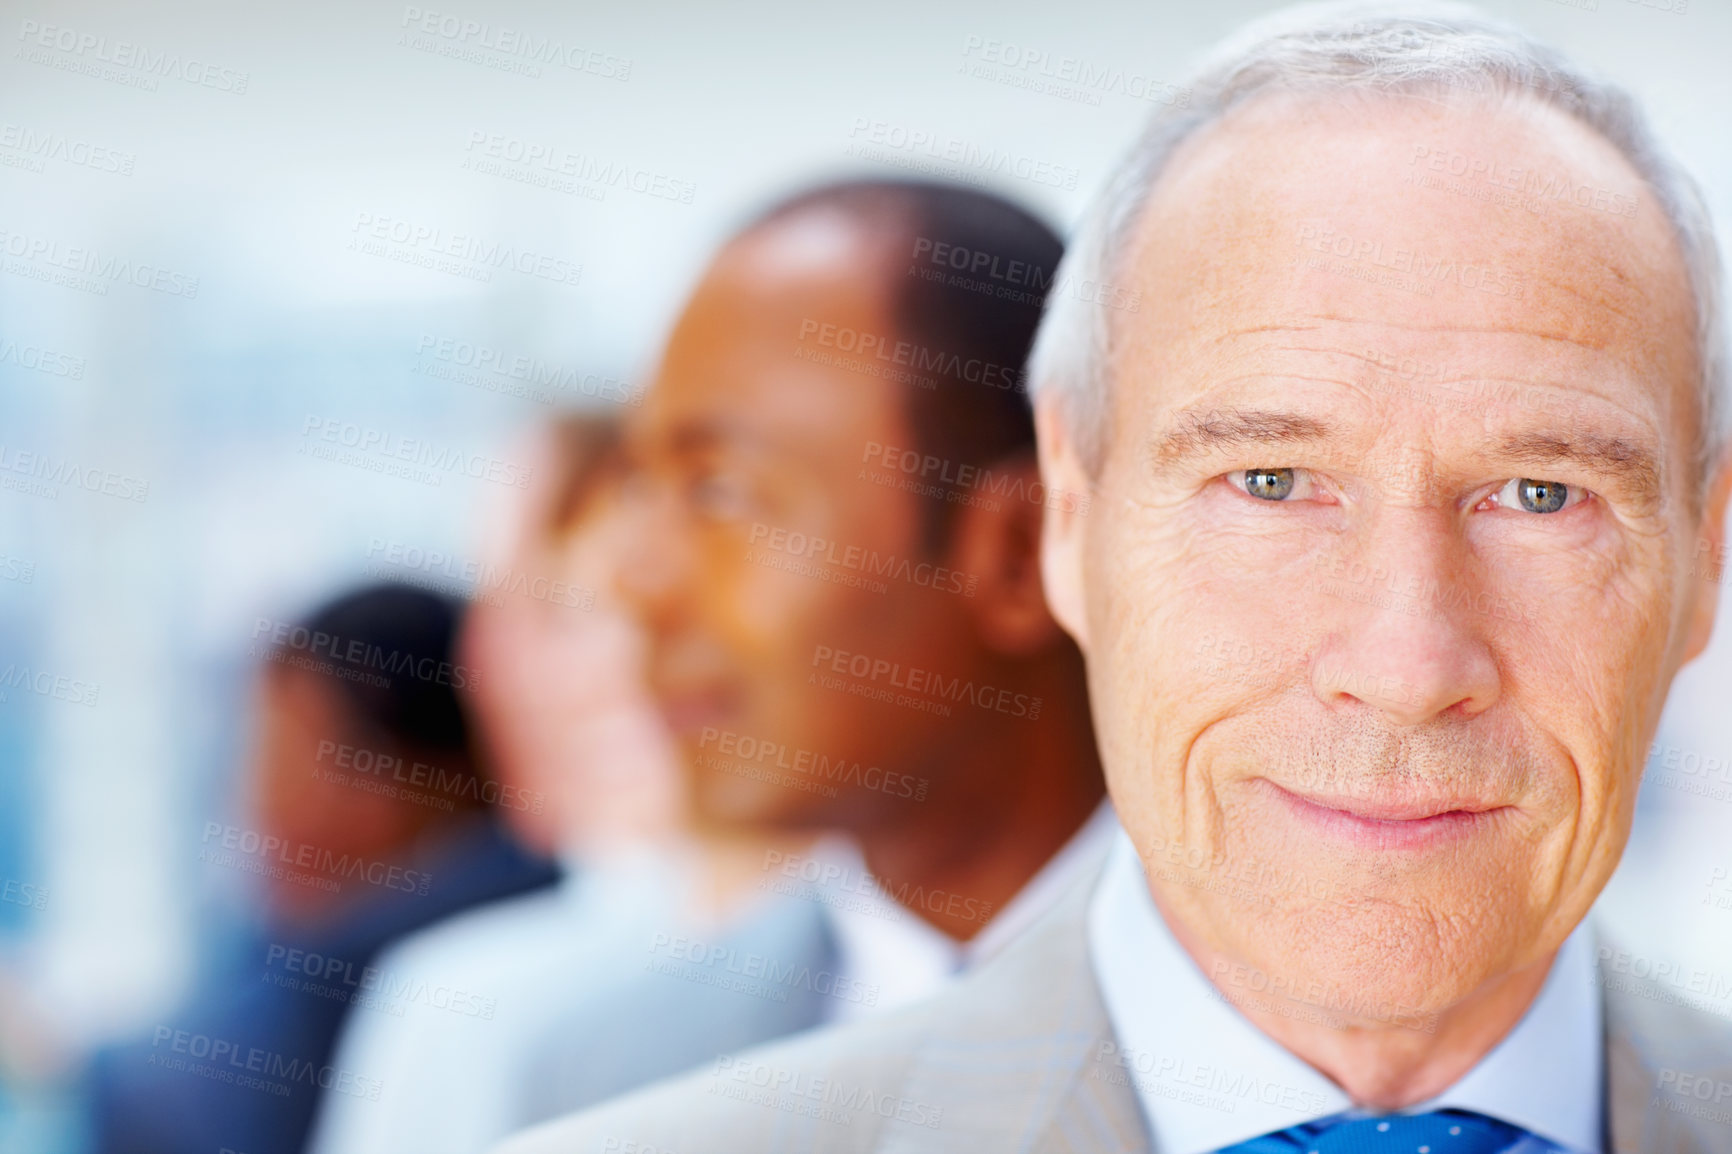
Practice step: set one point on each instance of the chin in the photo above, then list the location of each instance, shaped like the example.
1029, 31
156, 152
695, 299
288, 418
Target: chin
1368, 961
735, 802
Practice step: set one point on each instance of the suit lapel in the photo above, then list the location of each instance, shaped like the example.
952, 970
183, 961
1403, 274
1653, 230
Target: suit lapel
1012, 1064
1660, 1055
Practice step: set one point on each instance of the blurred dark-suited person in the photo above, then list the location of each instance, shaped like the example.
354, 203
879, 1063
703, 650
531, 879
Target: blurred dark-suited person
370, 817
1399, 489
835, 518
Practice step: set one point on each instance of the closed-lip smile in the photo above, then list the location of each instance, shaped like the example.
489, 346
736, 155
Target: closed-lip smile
1389, 822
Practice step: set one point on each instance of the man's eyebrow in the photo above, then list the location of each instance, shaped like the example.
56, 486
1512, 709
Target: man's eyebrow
1615, 456
1199, 432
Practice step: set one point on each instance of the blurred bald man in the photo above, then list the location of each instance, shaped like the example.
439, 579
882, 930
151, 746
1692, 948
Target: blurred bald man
836, 515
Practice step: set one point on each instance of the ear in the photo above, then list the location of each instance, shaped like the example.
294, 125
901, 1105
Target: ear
1708, 561
997, 542
1069, 492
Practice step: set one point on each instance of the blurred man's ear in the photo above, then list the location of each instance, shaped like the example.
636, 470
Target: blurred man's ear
998, 543
1069, 494
1708, 559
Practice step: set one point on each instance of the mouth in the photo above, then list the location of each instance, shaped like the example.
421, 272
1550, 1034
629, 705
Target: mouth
1387, 823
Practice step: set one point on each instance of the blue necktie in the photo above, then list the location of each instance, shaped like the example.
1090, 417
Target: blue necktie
1441, 1132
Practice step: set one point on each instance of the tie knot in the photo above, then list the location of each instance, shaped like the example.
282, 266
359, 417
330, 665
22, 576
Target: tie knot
1440, 1132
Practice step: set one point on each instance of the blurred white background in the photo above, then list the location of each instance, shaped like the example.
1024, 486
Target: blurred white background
350, 113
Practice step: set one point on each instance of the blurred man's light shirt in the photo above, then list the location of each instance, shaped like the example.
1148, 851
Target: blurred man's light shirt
1207, 1078
448, 1077
887, 947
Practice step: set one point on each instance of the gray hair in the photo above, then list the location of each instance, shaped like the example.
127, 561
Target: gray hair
1420, 47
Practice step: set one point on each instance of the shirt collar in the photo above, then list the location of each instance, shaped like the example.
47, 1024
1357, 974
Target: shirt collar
1079, 856
1207, 1078
1546, 1075
888, 947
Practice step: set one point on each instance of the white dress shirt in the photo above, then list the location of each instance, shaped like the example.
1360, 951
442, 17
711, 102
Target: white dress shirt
1207, 1078
890, 949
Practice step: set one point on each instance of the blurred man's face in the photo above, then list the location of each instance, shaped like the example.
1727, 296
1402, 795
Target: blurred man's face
567, 721
300, 795
1391, 562
754, 524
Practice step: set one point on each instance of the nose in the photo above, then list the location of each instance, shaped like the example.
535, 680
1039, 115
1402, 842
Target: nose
1409, 636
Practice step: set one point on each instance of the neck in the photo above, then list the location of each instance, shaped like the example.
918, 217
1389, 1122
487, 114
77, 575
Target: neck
730, 868
1007, 796
1388, 1064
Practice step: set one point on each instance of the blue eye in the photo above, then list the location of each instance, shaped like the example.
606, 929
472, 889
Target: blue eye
1536, 496
1269, 484
1541, 496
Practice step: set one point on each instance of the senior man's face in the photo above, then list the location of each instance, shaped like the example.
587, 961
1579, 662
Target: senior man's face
1392, 557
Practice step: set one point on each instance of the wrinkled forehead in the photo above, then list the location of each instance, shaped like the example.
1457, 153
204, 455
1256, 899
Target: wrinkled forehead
1478, 234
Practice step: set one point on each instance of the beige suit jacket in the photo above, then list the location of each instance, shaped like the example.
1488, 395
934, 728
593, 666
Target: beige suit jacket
1007, 1059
